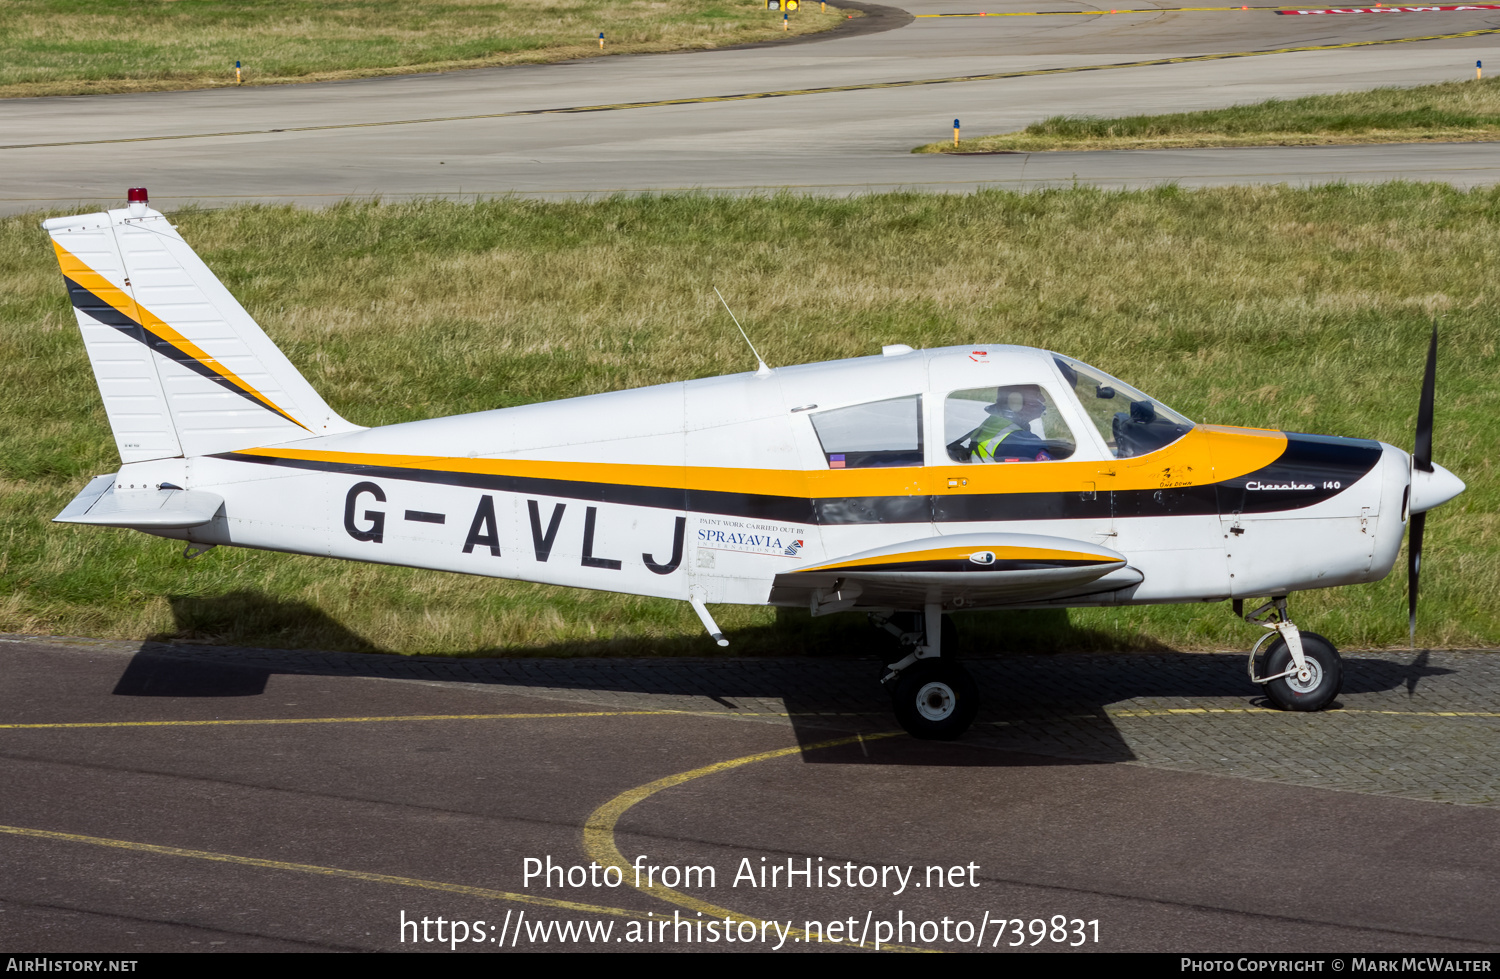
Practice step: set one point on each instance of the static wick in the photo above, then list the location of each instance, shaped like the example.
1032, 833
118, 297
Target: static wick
761, 370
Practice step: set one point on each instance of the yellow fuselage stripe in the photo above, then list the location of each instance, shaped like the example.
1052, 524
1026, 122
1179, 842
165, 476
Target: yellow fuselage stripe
1203, 456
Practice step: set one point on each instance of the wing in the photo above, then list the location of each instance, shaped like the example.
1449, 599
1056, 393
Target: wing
963, 571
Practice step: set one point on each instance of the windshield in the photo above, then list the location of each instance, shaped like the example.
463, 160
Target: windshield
1131, 423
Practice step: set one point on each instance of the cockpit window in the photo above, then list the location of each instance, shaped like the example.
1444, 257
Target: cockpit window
1011, 423
880, 433
1131, 423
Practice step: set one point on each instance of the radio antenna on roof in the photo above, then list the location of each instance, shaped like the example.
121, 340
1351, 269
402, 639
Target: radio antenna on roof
762, 370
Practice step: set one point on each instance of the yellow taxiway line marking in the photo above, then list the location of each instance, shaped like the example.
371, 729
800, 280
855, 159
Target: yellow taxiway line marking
1101, 13
1170, 711
316, 869
267, 721
250, 722
333, 720
598, 839
599, 833
1426, 713
784, 93
1106, 715
1396, 8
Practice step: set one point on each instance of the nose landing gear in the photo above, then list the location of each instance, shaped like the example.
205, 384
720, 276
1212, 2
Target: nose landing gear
1301, 670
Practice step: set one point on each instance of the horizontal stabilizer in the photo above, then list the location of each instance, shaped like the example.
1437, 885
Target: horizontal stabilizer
962, 571
101, 505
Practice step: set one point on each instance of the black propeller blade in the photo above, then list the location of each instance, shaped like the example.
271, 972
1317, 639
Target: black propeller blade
1421, 459
1422, 452
1413, 569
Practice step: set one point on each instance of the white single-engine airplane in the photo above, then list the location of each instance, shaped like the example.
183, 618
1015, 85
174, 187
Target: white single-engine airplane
907, 485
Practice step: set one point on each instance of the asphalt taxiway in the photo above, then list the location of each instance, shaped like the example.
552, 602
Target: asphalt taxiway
833, 116
164, 798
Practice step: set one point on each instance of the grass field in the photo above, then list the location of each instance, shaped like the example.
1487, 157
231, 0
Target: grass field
77, 47
1450, 112
1303, 309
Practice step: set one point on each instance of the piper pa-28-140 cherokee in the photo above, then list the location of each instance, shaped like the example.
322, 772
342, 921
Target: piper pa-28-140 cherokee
906, 485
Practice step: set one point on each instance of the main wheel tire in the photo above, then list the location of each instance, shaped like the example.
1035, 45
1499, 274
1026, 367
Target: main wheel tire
1323, 663
935, 699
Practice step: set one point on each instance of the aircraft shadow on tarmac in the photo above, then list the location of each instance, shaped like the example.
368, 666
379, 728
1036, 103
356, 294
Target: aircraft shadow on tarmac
199, 619
153, 675
1038, 707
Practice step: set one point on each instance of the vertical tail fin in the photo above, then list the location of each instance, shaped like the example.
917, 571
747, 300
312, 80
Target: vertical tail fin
182, 368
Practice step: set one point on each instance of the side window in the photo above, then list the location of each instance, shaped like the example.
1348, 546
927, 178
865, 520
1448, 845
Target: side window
1012, 423
881, 433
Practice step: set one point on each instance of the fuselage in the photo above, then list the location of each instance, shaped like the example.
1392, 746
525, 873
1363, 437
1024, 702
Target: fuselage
722, 484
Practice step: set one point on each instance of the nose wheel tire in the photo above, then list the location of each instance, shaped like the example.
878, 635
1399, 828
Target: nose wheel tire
935, 699
1325, 674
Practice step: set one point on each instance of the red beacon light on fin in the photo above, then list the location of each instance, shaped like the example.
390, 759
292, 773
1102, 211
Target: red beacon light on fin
136, 197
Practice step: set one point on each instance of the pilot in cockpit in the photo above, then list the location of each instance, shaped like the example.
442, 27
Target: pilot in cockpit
1006, 435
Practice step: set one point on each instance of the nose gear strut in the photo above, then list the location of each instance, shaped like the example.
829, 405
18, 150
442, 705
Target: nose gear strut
1275, 609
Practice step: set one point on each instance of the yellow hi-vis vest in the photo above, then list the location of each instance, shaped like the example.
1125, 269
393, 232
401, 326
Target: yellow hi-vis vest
987, 445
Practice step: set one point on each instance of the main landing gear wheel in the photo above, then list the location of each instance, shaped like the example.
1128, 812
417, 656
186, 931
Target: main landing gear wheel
1325, 674
935, 699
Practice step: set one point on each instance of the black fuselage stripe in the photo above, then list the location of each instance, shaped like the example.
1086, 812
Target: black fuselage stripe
1313, 468
660, 497
102, 311
1313, 461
